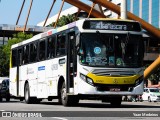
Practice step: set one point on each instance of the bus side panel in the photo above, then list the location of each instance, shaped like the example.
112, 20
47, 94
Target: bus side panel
61, 71
52, 76
22, 79
13, 80
32, 78
42, 82
58, 71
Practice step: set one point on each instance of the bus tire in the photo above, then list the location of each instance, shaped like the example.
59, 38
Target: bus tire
116, 101
27, 94
67, 100
21, 99
0, 99
8, 98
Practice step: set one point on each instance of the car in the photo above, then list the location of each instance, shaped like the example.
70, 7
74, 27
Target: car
151, 94
4, 90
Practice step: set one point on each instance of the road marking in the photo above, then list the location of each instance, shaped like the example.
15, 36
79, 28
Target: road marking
60, 118
2, 110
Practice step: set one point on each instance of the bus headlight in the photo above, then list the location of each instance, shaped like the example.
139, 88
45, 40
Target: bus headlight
86, 79
83, 77
89, 81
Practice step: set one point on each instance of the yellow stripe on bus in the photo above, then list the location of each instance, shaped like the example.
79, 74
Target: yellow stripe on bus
113, 80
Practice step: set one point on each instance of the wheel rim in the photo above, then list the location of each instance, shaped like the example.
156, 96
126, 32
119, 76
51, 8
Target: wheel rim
26, 95
63, 95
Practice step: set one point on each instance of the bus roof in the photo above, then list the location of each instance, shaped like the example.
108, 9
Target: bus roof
78, 23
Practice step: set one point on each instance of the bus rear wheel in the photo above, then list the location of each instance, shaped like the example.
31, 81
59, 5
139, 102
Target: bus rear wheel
27, 94
67, 100
7, 98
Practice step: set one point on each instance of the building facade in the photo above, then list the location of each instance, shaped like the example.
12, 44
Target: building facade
148, 10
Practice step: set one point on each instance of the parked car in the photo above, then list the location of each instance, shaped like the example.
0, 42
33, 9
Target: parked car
151, 94
4, 90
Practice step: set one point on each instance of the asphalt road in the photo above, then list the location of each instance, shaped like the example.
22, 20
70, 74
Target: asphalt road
86, 109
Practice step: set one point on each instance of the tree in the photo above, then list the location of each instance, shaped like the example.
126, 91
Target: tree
154, 78
64, 20
5, 51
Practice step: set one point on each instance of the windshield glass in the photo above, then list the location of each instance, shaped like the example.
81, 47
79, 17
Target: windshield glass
111, 50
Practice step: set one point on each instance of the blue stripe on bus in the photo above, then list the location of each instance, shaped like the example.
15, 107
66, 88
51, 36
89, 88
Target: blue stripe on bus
41, 68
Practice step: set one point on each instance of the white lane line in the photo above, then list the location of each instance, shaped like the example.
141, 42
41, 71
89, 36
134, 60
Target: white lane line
2, 110
60, 118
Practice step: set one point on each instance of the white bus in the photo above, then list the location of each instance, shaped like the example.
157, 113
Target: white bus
88, 59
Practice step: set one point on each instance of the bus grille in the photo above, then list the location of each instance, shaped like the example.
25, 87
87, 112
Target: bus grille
113, 72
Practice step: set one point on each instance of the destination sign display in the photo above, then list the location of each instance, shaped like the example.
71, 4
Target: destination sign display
112, 25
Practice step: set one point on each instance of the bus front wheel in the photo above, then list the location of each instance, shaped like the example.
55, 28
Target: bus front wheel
67, 100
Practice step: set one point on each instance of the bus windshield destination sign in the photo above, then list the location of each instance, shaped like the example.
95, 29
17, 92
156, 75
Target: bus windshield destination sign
112, 25
107, 26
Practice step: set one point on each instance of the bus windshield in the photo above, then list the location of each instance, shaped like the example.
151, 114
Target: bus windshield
111, 50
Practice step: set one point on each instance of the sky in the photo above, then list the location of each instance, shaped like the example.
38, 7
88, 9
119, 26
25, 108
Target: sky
9, 11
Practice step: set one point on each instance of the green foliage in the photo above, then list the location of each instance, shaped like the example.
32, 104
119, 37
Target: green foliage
6, 50
155, 76
3, 65
64, 20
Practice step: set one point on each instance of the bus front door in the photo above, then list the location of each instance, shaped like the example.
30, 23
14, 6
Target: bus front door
71, 62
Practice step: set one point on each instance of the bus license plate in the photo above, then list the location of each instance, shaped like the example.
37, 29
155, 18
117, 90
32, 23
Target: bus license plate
115, 89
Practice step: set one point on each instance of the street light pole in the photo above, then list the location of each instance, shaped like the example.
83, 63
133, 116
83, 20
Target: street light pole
124, 9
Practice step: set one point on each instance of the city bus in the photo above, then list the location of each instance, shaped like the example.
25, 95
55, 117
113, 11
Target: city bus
91, 58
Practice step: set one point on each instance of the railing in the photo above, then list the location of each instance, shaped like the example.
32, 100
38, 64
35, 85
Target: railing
21, 28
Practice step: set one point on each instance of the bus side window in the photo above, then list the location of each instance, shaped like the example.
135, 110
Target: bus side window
61, 45
14, 58
51, 47
25, 56
42, 49
33, 52
20, 54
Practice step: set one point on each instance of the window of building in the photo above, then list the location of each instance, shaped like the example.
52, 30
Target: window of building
155, 13
128, 5
136, 7
145, 10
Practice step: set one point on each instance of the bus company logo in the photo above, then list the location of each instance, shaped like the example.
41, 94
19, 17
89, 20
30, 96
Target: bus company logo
97, 50
41, 68
115, 81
